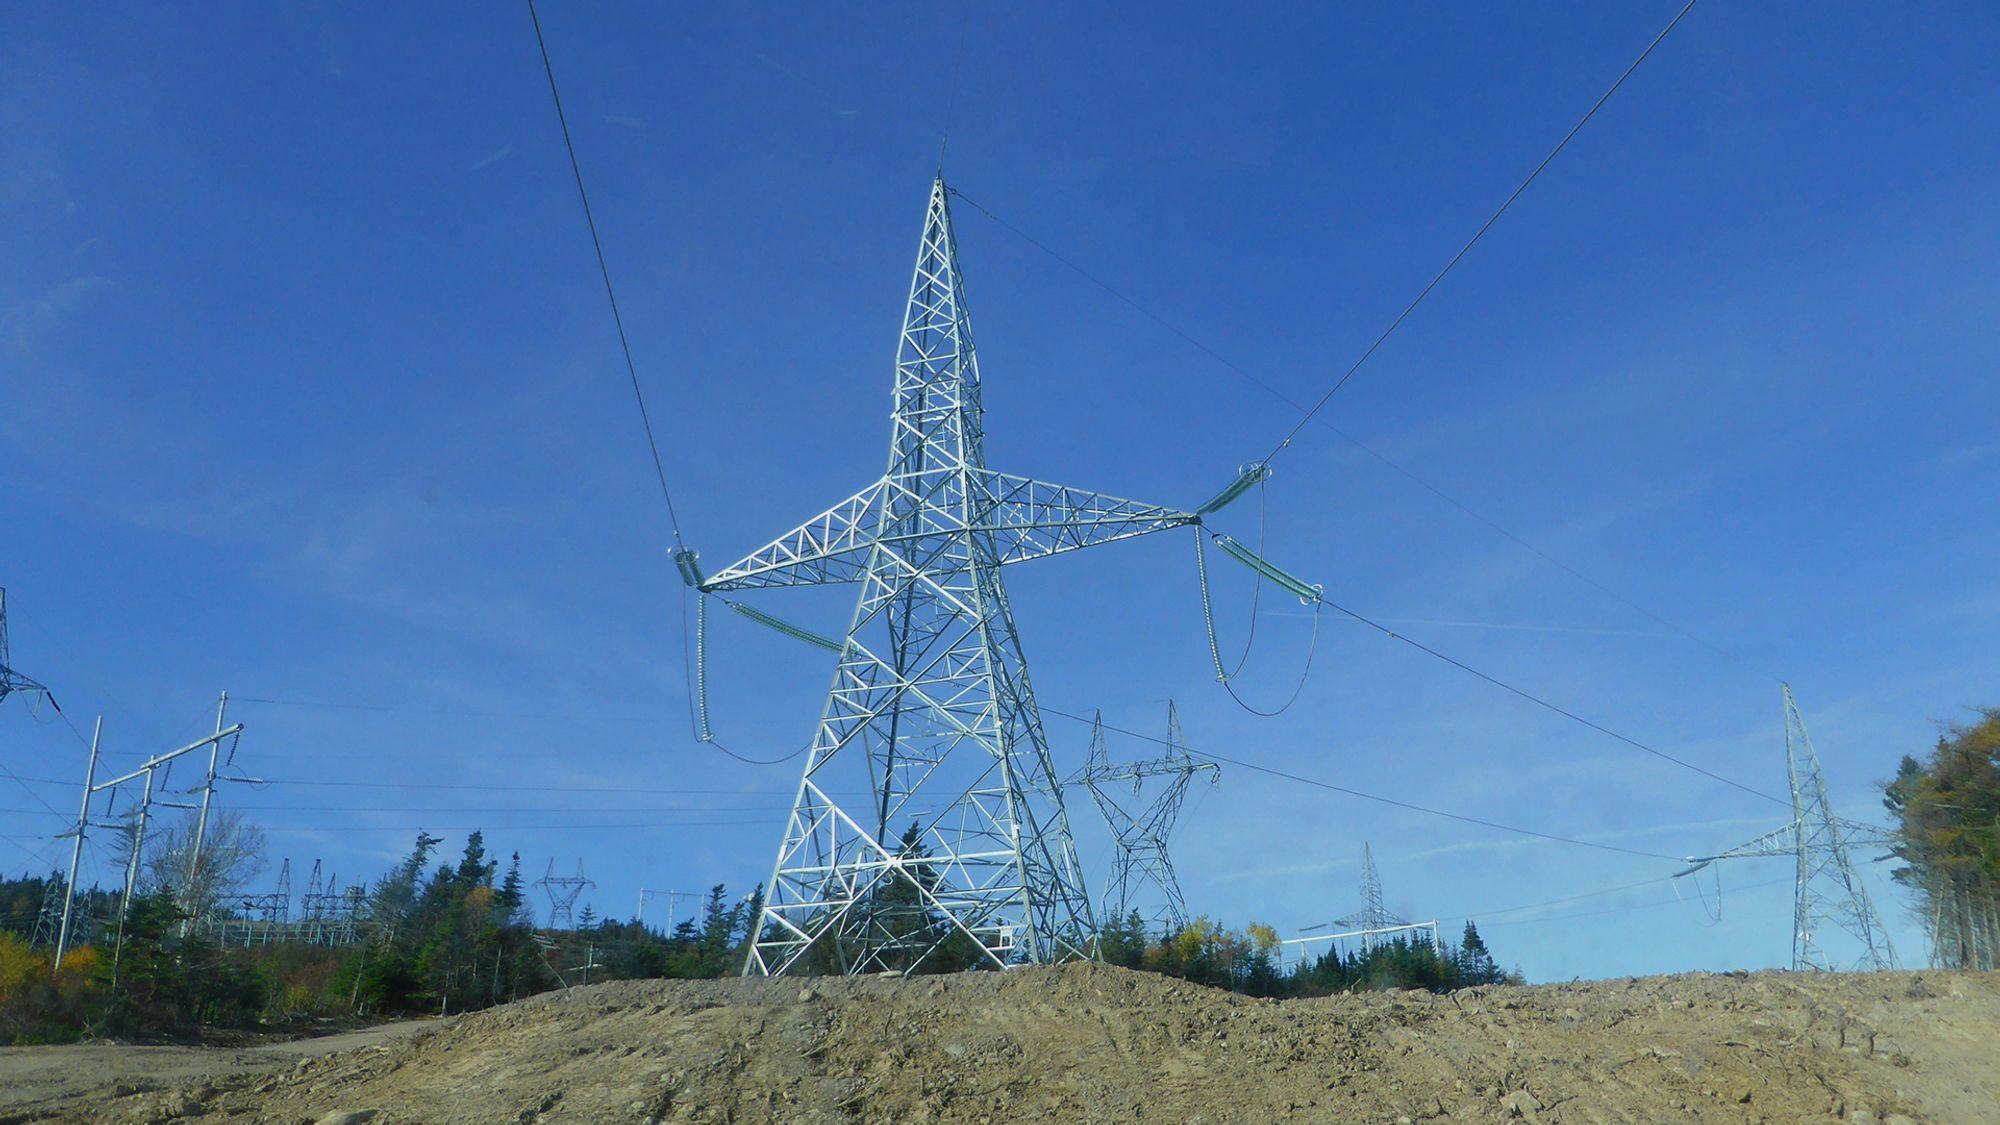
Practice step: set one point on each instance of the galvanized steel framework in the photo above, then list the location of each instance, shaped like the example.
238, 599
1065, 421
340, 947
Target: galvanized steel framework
1826, 890
563, 891
931, 703
10, 680
1140, 839
1373, 923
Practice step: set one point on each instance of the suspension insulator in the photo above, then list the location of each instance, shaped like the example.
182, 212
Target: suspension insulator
1248, 477
1290, 583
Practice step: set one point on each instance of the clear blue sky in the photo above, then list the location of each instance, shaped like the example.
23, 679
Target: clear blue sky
308, 391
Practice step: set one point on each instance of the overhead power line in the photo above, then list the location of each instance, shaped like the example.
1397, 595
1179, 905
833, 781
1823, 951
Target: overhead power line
1342, 789
1480, 233
1625, 909
650, 827
611, 294
442, 785
1546, 705
1312, 413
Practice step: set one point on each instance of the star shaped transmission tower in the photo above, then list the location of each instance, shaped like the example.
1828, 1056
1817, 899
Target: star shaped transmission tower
1140, 838
963, 841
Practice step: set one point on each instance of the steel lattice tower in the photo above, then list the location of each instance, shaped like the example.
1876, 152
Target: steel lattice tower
931, 705
48, 920
10, 680
563, 891
1826, 890
1140, 839
1373, 915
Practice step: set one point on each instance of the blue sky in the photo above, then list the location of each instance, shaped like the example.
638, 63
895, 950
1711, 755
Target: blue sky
308, 391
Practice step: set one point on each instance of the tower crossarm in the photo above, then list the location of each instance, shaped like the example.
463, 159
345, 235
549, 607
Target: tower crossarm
1858, 835
1021, 517
1029, 519
1139, 771
1784, 841
829, 548
1357, 923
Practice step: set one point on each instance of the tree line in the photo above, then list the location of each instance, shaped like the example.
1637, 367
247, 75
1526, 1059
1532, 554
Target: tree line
438, 937
445, 935
1946, 808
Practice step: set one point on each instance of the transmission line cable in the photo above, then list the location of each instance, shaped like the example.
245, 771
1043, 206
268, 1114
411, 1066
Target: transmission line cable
1331, 787
647, 826
1312, 413
1599, 893
611, 294
1625, 909
1545, 704
1480, 233
638, 394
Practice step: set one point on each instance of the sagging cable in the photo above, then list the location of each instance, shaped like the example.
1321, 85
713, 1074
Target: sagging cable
704, 731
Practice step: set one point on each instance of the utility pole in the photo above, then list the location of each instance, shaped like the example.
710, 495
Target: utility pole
138, 830
1140, 854
92, 786
589, 962
931, 706
201, 820
76, 849
672, 897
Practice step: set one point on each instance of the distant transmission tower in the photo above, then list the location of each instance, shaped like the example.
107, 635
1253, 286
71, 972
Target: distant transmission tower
563, 891
931, 706
10, 680
1140, 838
48, 920
1373, 919
1827, 889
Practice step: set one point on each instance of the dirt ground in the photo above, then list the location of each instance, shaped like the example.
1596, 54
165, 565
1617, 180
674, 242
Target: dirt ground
33, 1079
1091, 1043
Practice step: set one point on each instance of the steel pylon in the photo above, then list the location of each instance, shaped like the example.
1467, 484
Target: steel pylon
10, 680
1373, 916
563, 891
962, 852
1140, 839
1826, 890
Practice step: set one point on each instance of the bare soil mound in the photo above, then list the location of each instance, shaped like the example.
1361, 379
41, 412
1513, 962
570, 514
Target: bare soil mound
1091, 1043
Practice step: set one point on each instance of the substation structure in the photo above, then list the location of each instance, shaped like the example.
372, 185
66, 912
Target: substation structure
1372, 925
